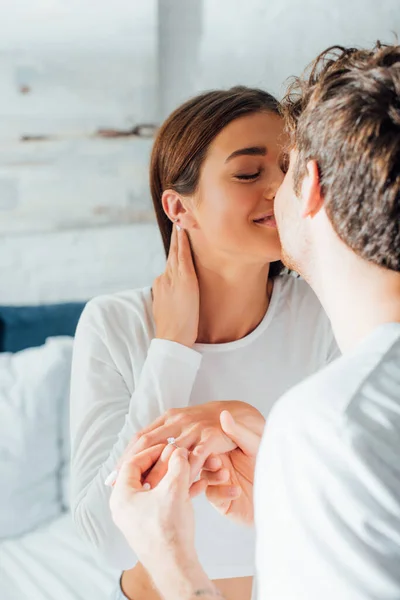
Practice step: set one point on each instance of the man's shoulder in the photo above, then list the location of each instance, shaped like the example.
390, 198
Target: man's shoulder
363, 382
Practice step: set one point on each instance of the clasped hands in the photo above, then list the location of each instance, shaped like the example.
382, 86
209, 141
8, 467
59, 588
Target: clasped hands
151, 499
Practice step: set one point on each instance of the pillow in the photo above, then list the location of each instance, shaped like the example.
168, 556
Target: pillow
33, 388
29, 326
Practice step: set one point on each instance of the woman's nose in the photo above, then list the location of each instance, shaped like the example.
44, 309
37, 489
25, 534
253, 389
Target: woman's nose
273, 184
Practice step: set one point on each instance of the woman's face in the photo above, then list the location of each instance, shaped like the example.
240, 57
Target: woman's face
234, 203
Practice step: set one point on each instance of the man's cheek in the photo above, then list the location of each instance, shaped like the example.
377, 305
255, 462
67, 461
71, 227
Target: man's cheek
278, 207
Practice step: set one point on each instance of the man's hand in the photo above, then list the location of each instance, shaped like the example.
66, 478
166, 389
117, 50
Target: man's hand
159, 523
230, 476
196, 428
152, 519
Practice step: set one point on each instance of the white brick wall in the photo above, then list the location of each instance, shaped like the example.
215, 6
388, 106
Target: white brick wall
220, 43
79, 190
69, 184
73, 208
71, 66
76, 265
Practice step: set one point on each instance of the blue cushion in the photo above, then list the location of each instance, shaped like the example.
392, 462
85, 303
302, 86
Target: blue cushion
28, 326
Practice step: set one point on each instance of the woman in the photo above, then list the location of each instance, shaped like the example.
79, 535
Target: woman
223, 325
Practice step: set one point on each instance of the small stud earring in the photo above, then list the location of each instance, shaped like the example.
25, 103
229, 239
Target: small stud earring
178, 227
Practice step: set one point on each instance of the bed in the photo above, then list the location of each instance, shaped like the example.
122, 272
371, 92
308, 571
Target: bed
41, 556
52, 563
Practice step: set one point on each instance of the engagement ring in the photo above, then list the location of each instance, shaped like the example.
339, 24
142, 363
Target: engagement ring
171, 441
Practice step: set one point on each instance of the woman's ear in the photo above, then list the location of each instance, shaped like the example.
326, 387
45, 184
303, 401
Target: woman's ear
176, 208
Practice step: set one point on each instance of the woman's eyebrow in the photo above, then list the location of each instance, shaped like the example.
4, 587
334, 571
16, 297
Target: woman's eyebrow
252, 151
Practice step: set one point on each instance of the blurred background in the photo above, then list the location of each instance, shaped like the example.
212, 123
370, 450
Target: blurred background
83, 86
78, 76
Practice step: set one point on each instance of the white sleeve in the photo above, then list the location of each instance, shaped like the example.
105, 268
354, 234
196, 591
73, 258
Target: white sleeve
105, 416
327, 507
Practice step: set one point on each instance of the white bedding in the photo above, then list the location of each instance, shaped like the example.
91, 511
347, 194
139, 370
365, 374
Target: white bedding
52, 563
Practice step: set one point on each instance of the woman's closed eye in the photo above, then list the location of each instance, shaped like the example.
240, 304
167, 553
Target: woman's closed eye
248, 176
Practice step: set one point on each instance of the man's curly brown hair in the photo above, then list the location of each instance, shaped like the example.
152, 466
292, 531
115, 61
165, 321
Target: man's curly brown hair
344, 113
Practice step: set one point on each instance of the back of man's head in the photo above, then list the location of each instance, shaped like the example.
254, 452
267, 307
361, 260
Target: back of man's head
345, 114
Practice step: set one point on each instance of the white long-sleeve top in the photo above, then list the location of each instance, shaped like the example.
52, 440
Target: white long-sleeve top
123, 378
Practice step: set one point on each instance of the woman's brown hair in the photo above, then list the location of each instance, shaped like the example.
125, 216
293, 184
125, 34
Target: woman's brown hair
183, 140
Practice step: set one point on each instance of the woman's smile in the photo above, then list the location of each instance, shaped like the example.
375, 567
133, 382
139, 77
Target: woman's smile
266, 220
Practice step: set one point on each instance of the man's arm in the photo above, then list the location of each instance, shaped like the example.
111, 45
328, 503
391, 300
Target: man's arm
328, 498
159, 523
187, 582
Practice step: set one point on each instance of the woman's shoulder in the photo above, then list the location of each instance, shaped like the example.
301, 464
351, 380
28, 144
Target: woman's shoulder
126, 310
134, 300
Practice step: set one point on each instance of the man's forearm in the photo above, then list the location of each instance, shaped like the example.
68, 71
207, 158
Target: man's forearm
207, 594
184, 580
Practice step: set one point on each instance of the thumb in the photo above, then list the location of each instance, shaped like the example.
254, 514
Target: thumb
246, 439
178, 474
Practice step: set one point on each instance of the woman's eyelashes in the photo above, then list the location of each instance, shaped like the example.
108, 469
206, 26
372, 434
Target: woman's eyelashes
248, 176
252, 175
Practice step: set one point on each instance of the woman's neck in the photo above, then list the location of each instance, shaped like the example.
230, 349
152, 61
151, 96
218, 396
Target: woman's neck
233, 301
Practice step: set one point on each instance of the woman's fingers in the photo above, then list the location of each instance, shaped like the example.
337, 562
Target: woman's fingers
176, 296
135, 446
156, 433
172, 261
157, 423
190, 437
242, 436
159, 435
185, 259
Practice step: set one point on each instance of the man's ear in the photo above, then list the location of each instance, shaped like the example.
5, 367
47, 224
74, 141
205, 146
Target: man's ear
311, 194
175, 207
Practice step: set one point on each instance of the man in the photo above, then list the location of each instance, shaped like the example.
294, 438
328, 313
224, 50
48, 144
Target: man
327, 485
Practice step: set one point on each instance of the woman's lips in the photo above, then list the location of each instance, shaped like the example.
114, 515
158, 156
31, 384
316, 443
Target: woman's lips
266, 221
